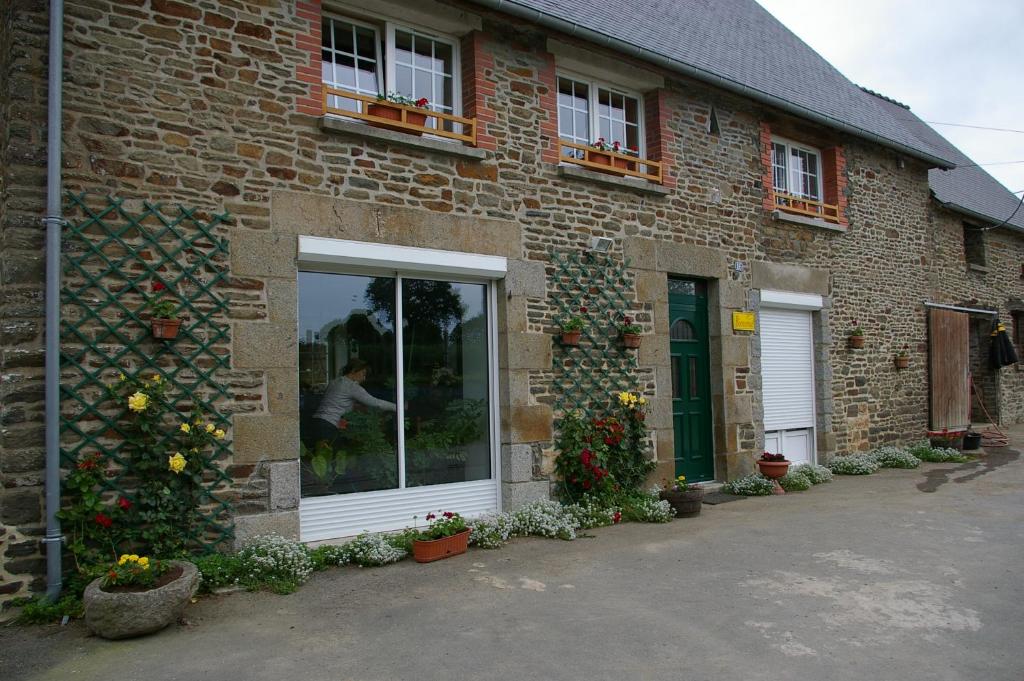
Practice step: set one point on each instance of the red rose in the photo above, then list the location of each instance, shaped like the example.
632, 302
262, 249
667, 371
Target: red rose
617, 517
585, 457
124, 503
158, 286
103, 521
608, 441
583, 309
586, 484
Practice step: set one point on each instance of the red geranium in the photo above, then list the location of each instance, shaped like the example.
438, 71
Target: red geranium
103, 520
617, 517
422, 101
158, 286
124, 503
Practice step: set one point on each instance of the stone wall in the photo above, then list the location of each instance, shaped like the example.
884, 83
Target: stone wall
200, 105
998, 286
23, 44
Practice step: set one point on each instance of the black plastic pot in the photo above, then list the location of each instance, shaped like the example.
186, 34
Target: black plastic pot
972, 441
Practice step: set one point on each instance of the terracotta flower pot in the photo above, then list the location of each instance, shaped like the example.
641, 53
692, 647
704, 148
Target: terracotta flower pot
394, 113
571, 337
438, 549
686, 504
856, 341
902, 361
773, 470
125, 614
632, 340
165, 329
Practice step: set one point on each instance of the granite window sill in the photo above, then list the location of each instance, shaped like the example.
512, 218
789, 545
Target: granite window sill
628, 184
783, 216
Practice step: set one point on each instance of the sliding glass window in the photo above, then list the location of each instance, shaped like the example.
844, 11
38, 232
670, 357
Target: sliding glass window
376, 352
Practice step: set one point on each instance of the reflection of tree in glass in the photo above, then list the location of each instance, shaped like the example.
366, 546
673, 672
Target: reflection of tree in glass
423, 300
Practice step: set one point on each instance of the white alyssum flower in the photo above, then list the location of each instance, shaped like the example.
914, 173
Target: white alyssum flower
853, 464
272, 557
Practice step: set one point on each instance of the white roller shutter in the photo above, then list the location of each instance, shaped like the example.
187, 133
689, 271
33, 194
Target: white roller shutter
787, 369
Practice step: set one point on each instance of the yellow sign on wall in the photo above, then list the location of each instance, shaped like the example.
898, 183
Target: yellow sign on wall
744, 321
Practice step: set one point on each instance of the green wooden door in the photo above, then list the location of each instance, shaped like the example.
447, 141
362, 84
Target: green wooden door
691, 379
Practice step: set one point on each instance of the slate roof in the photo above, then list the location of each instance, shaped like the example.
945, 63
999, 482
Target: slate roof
966, 188
736, 41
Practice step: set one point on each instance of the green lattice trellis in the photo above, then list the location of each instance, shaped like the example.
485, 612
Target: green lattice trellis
112, 257
585, 376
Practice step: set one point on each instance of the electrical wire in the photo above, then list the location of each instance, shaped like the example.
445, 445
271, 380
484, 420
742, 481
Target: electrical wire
976, 127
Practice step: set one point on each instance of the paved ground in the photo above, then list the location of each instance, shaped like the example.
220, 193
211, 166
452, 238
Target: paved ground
902, 575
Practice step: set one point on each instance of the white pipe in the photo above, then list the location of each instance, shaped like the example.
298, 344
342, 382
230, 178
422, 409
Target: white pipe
969, 310
54, 540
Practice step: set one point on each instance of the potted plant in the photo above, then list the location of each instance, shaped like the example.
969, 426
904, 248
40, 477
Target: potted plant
613, 161
856, 336
684, 498
138, 596
630, 331
164, 321
446, 535
903, 358
773, 467
385, 107
572, 328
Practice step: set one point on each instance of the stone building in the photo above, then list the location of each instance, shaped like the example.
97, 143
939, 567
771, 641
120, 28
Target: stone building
436, 259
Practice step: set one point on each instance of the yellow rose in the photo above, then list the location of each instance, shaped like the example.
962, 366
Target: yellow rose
185, 428
681, 478
219, 434
176, 463
156, 378
642, 400
134, 558
623, 397
210, 427
123, 559
122, 377
144, 562
138, 402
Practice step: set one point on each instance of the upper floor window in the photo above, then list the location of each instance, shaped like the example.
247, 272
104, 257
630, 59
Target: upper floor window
974, 246
370, 59
589, 111
796, 169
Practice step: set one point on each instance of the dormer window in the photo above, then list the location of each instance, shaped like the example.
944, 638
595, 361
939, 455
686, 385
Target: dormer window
796, 169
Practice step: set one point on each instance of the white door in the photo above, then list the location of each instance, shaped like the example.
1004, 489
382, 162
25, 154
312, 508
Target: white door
787, 374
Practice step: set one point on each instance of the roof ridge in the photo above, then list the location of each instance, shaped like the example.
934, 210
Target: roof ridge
881, 96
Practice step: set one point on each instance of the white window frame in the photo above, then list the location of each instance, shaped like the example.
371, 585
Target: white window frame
376, 41
326, 517
385, 41
594, 85
789, 146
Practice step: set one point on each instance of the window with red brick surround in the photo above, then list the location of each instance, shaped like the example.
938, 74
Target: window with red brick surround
478, 87
833, 184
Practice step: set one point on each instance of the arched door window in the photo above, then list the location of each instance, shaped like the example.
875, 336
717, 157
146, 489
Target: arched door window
682, 330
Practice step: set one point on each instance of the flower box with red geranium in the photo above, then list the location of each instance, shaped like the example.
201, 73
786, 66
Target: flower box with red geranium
631, 331
446, 535
391, 105
572, 328
164, 320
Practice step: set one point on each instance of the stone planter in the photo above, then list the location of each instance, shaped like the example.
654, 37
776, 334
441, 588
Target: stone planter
856, 342
632, 340
165, 329
394, 113
686, 504
773, 470
427, 551
126, 614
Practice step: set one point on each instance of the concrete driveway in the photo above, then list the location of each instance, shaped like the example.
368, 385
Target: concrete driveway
900, 575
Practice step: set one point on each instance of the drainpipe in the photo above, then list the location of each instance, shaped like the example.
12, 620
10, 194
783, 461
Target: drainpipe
54, 540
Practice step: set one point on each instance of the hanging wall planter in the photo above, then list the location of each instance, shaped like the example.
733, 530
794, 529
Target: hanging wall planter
571, 338
632, 340
572, 328
165, 329
856, 336
902, 361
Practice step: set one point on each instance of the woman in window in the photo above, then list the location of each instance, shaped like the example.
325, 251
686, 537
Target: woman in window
341, 397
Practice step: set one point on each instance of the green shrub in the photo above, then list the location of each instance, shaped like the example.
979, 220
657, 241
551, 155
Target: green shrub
894, 457
795, 481
925, 452
274, 563
39, 610
814, 473
217, 570
753, 485
853, 464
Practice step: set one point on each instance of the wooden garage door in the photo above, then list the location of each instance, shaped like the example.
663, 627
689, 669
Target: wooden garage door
948, 361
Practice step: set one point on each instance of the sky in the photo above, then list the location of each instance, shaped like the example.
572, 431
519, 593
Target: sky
951, 61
